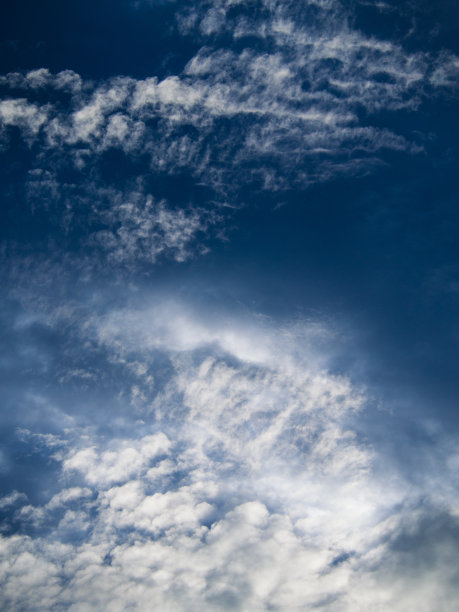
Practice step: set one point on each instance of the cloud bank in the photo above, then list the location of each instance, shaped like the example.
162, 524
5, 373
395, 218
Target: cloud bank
233, 478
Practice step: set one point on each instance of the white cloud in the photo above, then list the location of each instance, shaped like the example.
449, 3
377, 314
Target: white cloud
123, 228
23, 114
296, 108
11, 499
118, 464
244, 488
68, 495
140, 229
67, 80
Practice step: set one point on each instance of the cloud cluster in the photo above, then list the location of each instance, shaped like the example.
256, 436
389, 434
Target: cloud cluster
237, 483
277, 96
138, 229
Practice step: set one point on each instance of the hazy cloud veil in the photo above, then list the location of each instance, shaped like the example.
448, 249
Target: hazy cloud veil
170, 440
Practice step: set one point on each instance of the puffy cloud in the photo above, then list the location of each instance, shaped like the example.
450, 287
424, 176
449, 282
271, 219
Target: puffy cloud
66, 80
118, 464
11, 499
240, 485
27, 116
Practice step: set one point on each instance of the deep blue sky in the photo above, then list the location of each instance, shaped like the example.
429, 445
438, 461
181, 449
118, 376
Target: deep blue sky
379, 252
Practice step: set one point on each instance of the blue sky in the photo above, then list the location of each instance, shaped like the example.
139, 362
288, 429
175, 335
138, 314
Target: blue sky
229, 305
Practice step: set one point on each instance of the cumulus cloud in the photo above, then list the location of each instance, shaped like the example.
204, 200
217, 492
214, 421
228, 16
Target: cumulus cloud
241, 484
116, 465
28, 117
11, 499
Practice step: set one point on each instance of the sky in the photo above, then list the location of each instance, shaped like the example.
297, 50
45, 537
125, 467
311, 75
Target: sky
229, 294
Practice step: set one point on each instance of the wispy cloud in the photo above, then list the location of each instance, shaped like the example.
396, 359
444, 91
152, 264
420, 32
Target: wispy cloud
298, 106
